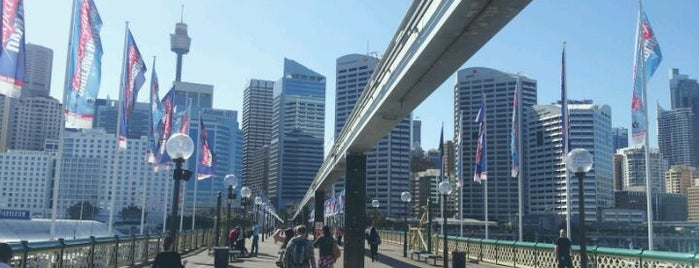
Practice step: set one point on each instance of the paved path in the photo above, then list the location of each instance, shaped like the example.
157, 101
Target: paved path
389, 256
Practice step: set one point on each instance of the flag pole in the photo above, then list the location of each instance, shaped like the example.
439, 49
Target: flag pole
150, 126
461, 173
649, 190
520, 180
184, 185
196, 171
566, 136
59, 154
115, 167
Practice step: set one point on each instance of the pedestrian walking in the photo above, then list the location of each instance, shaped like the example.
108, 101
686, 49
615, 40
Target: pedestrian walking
168, 258
299, 251
255, 238
328, 251
5, 255
374, 240
563, 251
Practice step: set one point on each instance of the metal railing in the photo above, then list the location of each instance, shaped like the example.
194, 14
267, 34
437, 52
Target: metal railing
115, 251
529, 254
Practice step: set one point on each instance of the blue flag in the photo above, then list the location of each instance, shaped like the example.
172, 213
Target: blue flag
133, 78
206, 156
481, 169
514, 135
84, 65
164, 128
646, 60
12, 57
441, 153
156, 113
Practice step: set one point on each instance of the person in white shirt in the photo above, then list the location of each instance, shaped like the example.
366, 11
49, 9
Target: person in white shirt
5, 255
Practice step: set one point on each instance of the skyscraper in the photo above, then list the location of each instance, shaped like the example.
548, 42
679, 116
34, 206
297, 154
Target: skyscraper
634, 168
200, 95
620, 138
684, 92
106, 118
33, 120
498, 88
590, 129
387, 163
676, 132
417, 133
38, 62
298, 123
257, 130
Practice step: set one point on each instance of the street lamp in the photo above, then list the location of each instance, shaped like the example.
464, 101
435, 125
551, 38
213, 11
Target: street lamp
258, 203
180, 147
579, 161
245, 192
405, 197
445, 189
375, 203
232, 182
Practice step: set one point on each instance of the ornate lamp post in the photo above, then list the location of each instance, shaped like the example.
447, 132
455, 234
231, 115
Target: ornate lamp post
445, 189
180, 147
405, 197
245, 192
579, 161
375, 203
256, 208
232, 182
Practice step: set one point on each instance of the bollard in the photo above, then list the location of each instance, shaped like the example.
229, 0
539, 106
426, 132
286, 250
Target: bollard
93, 243
62, 242
25, 245
458, 259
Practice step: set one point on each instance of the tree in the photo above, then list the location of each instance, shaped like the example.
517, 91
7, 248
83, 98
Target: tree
130, 214
82, 210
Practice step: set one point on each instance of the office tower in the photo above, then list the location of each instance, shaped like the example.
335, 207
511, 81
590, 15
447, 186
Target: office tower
590, 129
33, 120
417, 133
257, 130
618, 163
634, 168
38, 62
86, 175
200, 95
679, 178
298, 125
423, 188
106, 118
26, 180
620, 138
684, 92
225, 141
387, 163
676, 134
498, 88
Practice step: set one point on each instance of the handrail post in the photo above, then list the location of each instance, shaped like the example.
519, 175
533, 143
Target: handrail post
157, 246
116, 251
145, 256
62, 244
132, 254
93, 242
25, 254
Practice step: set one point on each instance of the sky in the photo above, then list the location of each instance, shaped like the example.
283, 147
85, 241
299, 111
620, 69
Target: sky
234, 41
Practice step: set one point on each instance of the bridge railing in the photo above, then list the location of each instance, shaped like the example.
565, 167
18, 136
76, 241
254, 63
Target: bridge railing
529, 254
115, 251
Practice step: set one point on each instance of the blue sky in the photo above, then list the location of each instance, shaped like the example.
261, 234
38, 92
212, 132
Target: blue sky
234, 41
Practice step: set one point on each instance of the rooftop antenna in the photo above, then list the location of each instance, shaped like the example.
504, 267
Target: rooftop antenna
182, 14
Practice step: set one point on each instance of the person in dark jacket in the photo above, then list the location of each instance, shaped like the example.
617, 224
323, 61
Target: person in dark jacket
563, 251
325, 245
168, 258
373, 239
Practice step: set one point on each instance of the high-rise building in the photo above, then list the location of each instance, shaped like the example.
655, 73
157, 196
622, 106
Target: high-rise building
618, 172
590, 129
417, 133
634, 168
676, 132
25, 181
693, 203
684, 92
679, 178
38, 62
86, 175
257, 132
498, 88
200, 95
387, 163
106, 118
620, 138
34, 120
298, 126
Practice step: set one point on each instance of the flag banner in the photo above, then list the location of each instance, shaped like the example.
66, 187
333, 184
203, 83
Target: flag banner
481, 170
12, 57
156, 113
514, 142
206, 157
565, 114
441, 154
84, 67
646, 60
164, 128
132, 80
181, 124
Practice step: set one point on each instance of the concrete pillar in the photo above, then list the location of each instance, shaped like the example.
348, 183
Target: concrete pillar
355, 210
319, 216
